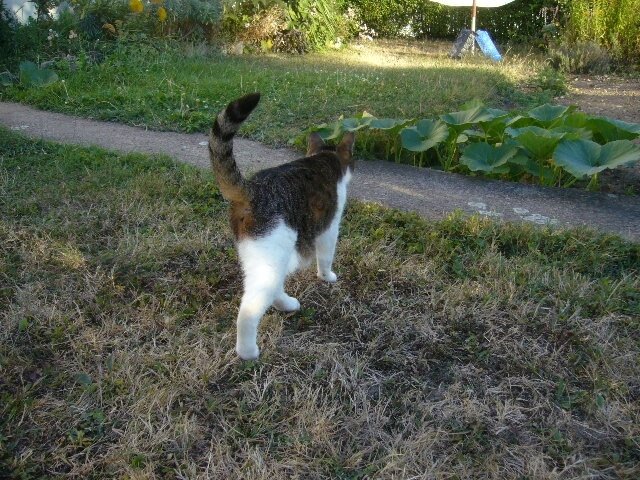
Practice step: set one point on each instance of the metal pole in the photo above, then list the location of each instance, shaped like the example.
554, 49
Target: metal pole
473, 26
473, 16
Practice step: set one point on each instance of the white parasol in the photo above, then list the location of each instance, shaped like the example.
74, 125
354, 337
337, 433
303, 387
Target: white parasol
473, 4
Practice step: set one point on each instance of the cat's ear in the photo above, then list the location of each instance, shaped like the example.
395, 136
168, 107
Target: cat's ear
345, 148
314, 144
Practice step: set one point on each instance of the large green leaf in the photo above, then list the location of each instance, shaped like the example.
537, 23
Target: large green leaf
584, 157
540, 142
32, 76
530, 166
354, 124
487, 158
466, 118
424, 135
329, 131
608, 130
576, 119
494, 128
385, 123
549, 115
6, 79
572, 133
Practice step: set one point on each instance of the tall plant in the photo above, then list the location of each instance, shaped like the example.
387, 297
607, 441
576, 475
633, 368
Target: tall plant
613, 24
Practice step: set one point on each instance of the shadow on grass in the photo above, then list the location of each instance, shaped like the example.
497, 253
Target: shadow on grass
449, 347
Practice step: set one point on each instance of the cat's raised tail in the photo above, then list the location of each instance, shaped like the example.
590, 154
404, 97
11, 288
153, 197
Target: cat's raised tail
230, 180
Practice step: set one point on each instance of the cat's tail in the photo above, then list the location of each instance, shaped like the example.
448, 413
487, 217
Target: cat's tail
232, 184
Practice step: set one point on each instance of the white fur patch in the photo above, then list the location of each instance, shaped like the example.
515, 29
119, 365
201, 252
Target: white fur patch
326, 242
265, 263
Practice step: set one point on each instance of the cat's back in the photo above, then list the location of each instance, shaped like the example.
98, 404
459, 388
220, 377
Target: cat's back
303, 193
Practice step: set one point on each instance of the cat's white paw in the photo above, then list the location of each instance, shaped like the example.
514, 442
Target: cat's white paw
248, 352
285, 303
328, 277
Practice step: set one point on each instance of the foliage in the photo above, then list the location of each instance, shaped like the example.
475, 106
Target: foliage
551, 80
611, 24
322, 21
579, 57
551, 143
516, 21
295, 26
8, 26
32, 76
584, 157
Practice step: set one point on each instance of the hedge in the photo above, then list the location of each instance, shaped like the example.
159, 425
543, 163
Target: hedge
519, 20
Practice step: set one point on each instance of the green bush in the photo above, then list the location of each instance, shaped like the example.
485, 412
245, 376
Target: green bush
322, 21
8, 27
550, 144
386, 17
290, 25
580, 57
519, 20
194, 19
612, 24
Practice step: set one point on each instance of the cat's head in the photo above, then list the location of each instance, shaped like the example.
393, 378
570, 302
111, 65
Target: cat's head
344, 150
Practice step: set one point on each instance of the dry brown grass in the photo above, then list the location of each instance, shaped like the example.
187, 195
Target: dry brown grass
458, 349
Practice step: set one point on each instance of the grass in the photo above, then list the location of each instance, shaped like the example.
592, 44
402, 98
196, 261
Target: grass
455, 349
178, 89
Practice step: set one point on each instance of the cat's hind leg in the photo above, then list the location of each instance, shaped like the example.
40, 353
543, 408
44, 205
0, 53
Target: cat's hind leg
325, 251
264, 263
284, 302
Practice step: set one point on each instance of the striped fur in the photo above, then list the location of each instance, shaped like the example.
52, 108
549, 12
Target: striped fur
281, 218
232, 185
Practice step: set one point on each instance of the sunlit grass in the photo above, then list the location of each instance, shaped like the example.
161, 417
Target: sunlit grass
182, 89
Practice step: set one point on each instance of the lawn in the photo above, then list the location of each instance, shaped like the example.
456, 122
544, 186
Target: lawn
172, 88
453, 349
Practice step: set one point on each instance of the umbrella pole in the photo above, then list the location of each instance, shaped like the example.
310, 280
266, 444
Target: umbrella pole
473, 25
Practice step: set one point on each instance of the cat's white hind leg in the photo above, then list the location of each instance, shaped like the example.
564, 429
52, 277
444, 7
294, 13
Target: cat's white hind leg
255, 302
264, 262
285, 303
326, 242
325, 251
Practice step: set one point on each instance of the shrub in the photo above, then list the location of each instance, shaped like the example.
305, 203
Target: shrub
612, 24
196, 19
580, 57
292, 25
551, 144
386, 17
8, 28
516, 21
323, 21
551, 79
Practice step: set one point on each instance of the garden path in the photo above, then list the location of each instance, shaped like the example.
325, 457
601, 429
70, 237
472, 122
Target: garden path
431, 193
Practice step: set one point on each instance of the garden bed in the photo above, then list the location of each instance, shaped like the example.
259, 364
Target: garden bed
614, 97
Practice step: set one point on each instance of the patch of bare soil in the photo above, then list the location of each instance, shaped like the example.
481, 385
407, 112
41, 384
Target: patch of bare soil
613, 97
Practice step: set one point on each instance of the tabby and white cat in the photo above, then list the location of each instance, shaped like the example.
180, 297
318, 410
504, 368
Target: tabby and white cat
280, 218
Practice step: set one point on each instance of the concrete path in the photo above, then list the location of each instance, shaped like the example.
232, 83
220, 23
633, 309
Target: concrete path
430, 193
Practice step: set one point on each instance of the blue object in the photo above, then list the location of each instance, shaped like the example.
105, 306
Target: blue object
487, 46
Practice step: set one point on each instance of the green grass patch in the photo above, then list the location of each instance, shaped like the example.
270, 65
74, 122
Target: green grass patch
464, 348
171, 89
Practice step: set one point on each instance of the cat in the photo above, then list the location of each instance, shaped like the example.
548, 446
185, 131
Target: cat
280, 218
